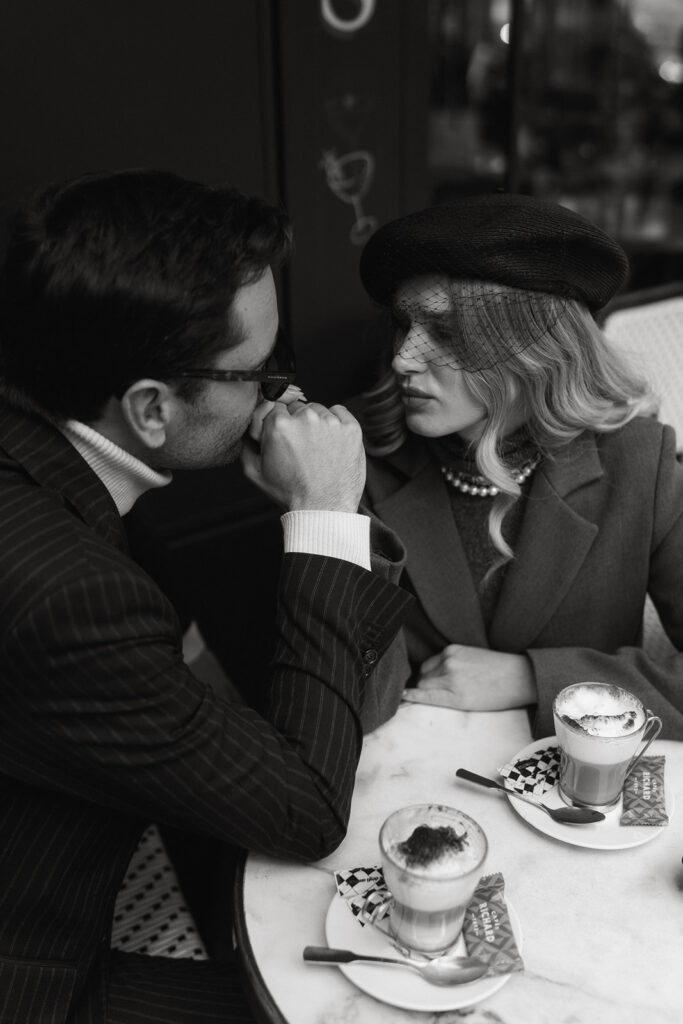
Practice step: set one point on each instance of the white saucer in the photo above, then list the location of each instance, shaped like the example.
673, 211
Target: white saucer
400, 987
600, 835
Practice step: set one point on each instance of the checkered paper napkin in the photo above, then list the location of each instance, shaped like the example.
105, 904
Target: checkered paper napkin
535, 774
356, 885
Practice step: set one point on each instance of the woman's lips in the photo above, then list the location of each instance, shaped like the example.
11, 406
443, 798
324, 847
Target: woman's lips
414, 395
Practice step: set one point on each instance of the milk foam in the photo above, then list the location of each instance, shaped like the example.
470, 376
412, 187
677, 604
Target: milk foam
448, 863
599, 710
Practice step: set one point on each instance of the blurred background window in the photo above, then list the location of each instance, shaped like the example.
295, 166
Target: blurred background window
580, 101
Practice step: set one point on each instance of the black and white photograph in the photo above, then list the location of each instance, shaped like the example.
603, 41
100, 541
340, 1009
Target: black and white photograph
341, 511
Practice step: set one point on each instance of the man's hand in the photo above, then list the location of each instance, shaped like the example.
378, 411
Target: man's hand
475, 679
310, 457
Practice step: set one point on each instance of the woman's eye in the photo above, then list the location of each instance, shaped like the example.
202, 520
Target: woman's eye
441, 334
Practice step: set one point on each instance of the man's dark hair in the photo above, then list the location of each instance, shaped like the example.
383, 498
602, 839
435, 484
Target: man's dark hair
112, 278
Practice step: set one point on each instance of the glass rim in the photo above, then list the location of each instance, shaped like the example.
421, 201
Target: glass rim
647, 714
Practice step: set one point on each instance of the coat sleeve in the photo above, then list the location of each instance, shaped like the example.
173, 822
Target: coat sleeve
390, 675
104, 709
658, 683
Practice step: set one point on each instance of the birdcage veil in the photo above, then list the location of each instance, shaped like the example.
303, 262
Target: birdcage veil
468, 324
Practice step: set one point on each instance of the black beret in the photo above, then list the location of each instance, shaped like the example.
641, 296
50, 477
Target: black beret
511, 239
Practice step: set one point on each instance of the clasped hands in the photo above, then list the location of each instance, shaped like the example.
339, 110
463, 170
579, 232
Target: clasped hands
475, 679
306, 456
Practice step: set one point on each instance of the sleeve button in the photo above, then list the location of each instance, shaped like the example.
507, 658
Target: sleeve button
370, 656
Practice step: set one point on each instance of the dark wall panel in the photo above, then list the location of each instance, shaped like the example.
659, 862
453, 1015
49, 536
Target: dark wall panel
354, 118
158, 83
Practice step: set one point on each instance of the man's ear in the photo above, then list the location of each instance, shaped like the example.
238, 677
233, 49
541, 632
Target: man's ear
147, 407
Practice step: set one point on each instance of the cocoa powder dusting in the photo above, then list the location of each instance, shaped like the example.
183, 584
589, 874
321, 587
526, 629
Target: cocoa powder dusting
427, 844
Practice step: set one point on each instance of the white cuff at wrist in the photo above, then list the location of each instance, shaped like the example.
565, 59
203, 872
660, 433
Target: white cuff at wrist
335, 534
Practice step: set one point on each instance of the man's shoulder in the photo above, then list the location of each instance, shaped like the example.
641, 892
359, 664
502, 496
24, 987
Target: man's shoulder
28, 510
43, 544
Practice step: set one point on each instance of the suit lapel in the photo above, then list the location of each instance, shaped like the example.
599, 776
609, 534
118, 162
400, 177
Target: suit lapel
47, 457
420, 513
557, 533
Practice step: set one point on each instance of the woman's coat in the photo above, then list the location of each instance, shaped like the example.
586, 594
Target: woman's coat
602, 528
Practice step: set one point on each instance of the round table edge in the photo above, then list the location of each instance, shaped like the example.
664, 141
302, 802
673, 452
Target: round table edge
260, 999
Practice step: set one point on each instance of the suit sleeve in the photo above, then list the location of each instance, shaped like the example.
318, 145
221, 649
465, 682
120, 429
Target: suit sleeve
104, 708
658, 683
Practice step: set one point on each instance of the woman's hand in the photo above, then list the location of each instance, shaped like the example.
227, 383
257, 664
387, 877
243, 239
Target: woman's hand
475, 679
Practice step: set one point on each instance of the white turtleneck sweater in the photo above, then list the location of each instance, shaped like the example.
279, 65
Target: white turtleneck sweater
335, 534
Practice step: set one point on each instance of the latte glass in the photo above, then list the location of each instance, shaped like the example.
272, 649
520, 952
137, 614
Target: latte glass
599, 728
430, 885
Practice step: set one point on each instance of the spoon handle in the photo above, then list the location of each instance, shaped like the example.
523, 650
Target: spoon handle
328, 955
479, 779
490, 784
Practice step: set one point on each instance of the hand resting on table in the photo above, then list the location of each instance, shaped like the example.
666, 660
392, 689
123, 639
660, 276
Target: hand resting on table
475, 679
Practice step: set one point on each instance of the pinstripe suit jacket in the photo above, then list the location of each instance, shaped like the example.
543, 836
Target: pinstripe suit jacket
103, 728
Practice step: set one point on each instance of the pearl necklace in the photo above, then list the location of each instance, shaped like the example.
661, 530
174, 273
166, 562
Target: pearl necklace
469, 483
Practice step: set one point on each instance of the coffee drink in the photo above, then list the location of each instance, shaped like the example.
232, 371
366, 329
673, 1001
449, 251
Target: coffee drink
598, 728
432, 857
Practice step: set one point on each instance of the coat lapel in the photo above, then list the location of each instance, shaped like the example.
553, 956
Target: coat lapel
420, 513
46, 455
558, 531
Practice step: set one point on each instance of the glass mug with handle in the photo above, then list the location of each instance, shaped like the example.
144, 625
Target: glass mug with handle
599, 728
432, 857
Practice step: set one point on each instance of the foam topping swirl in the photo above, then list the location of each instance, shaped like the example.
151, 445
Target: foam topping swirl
600, 710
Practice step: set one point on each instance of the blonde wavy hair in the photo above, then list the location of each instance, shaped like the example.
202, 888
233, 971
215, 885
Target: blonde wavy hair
568, 380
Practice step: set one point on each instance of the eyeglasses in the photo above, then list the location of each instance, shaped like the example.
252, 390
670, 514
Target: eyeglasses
275, 376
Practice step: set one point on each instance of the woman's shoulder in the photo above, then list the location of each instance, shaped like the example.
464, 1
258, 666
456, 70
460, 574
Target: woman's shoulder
641, 430
644, 443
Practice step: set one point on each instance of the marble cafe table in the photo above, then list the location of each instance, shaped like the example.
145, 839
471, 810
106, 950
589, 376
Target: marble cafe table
602, 928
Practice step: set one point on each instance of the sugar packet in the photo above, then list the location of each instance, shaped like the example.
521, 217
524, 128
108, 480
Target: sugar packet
643, 794
487, 930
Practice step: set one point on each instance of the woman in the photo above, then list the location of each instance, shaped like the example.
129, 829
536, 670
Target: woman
518, 459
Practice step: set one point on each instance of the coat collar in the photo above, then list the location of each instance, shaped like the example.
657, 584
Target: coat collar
409, 493
53, 463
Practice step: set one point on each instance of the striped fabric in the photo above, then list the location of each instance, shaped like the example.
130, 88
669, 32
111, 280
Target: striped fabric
158, 990
104, 729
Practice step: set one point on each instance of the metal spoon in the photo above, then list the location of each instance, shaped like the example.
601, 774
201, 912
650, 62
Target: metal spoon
566, 815
443, 970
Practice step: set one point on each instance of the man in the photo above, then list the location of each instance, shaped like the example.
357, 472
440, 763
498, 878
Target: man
139, 322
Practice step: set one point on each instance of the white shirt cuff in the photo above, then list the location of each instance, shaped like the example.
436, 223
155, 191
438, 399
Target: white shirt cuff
335, 534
